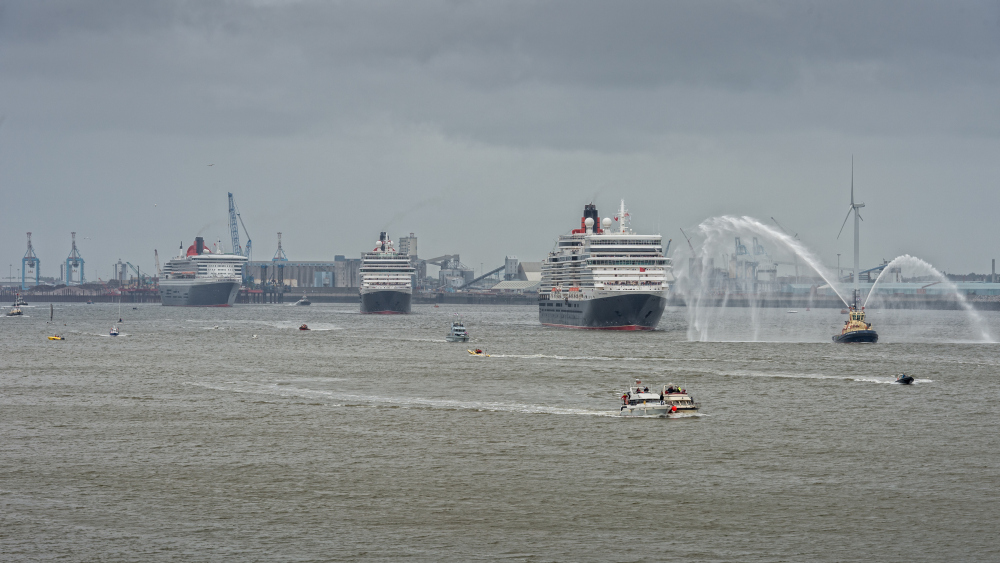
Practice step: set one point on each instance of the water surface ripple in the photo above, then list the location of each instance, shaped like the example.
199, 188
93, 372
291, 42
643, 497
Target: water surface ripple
376, 440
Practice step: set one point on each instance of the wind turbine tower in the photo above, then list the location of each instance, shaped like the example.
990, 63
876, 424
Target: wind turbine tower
855, 207
74, 262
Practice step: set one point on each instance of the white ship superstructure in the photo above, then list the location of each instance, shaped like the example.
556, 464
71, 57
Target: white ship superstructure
604, 277
386, 279
200, 278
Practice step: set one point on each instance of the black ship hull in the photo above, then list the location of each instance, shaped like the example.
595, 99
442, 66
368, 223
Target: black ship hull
641, 311
386, 302
212, 294
857, 336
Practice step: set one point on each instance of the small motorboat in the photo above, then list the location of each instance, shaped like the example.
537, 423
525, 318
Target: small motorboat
303, 301
56, 337
303, 327
904, 379
89, 302
114, 330
670, 399
479, 352
458, 333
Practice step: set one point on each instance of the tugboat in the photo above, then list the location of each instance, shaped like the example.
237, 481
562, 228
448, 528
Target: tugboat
18, 300
904, 379
856, 329
15, 312
670, 399
458, 333
303, 301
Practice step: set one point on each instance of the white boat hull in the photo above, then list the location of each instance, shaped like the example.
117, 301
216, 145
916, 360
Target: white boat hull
654, 409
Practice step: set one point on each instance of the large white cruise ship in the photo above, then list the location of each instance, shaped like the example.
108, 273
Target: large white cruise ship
386, 285
200, 278
603, 278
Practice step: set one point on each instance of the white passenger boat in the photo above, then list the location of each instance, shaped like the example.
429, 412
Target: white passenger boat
669, 399
458, 333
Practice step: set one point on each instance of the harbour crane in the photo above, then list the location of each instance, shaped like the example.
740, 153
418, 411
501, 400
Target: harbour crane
30, 264
795, 256
156, 258
234, 231
74, 263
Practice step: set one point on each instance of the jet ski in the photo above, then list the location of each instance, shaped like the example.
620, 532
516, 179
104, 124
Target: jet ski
479, 352
904, 379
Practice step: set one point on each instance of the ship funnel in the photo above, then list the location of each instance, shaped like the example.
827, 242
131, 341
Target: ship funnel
199, 245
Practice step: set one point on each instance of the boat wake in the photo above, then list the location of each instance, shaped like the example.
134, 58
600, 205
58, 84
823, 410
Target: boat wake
884, 380
356, 400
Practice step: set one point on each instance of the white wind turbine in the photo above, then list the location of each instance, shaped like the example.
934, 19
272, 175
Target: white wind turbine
857, 217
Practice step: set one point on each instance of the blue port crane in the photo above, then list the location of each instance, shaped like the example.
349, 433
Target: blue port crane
74, 262
29, 264
234, 217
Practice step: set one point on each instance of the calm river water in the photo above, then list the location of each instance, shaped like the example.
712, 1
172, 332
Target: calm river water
371, 438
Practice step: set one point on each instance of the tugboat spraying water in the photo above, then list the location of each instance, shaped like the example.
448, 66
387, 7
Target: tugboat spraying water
855, 328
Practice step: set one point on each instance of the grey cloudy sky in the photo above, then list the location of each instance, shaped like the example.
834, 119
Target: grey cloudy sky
485, 126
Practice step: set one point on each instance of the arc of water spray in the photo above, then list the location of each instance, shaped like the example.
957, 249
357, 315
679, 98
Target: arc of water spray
716, 232
917, 262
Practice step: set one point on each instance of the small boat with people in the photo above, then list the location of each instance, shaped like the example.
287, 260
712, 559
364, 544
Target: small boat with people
304, 301
904, 379
639, 400
304, 327
458, 333
56, 337
479, 352
114, 330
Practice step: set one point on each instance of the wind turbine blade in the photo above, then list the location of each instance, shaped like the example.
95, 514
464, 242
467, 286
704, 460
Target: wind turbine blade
852, 180
860, 217
845, 221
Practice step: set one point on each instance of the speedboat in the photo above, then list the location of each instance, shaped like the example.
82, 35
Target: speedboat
669, 399
856, 329
15, 312
303, 301
479, 352
303, 327
114, 330
904, 379
56, 337
458, 333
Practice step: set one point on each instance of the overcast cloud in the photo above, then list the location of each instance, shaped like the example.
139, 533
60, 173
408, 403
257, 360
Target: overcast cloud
484, 127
